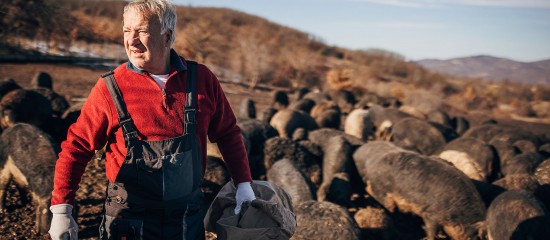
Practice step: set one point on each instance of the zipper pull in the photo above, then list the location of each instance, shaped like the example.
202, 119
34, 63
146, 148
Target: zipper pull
164, 98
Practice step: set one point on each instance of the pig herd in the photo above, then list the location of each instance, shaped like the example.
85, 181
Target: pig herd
377, 169
355, 166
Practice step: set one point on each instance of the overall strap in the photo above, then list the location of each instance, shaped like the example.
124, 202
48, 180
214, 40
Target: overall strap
191, 98
124, 119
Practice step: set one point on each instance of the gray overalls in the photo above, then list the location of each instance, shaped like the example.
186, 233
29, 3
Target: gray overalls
156, 194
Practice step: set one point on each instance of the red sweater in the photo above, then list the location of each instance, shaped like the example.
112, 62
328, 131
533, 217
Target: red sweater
155, 116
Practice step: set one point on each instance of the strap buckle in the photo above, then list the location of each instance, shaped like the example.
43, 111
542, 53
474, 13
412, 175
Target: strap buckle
124, 121
190, 115
128, 127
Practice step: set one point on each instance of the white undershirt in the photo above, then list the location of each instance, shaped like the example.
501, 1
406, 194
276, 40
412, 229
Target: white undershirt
160, 79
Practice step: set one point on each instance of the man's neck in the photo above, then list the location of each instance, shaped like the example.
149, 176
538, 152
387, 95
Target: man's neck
165, 69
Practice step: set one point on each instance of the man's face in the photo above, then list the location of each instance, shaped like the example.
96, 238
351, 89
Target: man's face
146, 48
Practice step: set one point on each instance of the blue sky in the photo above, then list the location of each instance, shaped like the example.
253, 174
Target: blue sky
416, 29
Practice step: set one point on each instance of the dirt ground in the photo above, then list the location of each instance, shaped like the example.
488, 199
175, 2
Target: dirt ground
75, 82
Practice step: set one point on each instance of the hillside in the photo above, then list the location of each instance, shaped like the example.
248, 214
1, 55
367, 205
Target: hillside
238, 46
543, 64
492, 69
250, 50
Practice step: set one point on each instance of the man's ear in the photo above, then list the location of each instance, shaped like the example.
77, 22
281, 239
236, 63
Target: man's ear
168, 37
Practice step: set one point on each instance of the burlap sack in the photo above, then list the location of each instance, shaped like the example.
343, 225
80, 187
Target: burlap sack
270, 216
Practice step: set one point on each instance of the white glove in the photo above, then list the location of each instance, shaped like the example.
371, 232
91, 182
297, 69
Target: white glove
63, 226
244, 194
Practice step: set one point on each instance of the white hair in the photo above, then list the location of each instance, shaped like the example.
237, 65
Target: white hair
163, 9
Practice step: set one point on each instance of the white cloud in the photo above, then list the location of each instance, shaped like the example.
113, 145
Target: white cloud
402, 3
407, 24
506, 3
443, 3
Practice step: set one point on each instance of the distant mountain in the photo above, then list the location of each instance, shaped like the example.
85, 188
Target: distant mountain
492, 69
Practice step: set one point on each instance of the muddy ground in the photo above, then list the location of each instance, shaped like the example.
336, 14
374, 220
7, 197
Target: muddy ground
75, 82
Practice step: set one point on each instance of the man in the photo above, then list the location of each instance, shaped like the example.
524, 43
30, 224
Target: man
154, 113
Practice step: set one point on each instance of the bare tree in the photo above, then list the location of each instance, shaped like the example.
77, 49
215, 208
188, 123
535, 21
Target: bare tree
304, 62
256, 57
201, 40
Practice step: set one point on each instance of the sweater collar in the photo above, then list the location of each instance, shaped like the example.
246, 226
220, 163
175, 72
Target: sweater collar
175, 64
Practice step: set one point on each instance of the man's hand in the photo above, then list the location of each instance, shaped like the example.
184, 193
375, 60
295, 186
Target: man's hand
63, 226
244, 194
